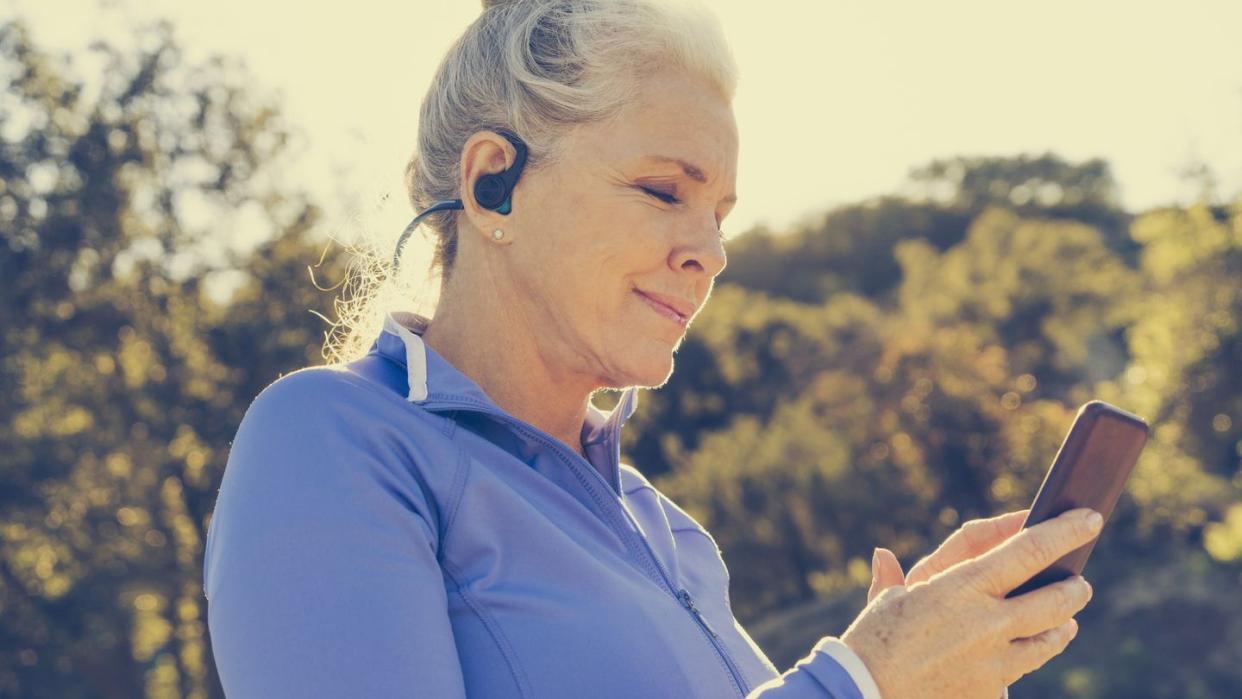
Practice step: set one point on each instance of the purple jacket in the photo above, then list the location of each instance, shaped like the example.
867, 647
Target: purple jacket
384, 529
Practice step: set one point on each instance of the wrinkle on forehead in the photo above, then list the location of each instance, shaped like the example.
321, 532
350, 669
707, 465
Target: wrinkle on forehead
675, 118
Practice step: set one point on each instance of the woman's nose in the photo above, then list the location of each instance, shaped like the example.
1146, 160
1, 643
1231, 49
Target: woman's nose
704, 250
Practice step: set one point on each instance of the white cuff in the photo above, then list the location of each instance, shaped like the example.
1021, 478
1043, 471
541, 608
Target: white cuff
848, 659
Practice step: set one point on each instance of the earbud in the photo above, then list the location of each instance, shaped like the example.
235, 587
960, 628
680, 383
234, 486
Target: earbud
492, 191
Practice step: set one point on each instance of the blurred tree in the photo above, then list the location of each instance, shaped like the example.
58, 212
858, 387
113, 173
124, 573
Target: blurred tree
849, 250
1046, 290
123, 378
1187, 339
1185, 351
1045, 186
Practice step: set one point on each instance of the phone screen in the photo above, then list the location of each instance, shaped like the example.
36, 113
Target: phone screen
1090, 470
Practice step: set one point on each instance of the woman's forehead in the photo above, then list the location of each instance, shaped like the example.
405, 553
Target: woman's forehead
678, 105
701, 145
677, 123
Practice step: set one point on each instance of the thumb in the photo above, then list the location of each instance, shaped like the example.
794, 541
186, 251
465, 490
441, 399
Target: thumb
885, 573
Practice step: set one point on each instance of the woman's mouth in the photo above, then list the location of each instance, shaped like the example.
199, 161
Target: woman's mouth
663, 310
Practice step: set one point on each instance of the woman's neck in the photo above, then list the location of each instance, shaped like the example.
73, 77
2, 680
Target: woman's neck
491, 342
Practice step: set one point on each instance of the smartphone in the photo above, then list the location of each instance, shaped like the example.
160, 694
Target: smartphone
1090, 470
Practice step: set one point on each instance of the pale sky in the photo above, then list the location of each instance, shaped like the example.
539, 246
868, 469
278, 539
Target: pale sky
837, 100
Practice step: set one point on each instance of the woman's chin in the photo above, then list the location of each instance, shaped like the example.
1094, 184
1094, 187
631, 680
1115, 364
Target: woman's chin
651, 364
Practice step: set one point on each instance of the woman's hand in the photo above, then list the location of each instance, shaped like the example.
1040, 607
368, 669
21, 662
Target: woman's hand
955, 635
974, 538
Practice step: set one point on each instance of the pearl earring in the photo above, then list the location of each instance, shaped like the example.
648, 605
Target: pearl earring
497, 234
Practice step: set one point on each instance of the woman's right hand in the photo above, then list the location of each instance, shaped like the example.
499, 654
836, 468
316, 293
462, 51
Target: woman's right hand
956, 635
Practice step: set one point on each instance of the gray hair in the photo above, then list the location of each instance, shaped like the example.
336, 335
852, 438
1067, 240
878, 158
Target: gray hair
536, 68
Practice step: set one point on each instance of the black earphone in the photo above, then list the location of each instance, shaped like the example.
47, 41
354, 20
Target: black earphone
492, 191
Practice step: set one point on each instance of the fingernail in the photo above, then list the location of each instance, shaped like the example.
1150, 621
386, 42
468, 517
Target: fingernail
1094, 521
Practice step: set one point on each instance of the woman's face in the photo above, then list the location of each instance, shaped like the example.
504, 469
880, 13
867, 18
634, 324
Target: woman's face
633, 205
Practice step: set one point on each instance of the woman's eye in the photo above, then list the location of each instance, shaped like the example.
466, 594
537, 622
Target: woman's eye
666, 197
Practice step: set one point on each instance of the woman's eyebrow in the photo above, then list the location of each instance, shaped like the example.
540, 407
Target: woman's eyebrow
692, 171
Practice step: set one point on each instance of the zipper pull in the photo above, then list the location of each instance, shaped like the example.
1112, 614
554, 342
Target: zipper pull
688, 603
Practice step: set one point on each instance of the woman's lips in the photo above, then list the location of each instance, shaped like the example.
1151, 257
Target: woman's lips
662, 309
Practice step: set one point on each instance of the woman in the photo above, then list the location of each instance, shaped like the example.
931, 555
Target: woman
447, 515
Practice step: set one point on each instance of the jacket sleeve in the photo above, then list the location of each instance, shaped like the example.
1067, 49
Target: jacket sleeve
831, 668
831, 671
320, 569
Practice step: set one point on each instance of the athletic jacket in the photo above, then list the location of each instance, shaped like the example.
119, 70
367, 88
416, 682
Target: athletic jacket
384, 529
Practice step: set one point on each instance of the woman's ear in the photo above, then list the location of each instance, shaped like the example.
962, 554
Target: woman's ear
484, 153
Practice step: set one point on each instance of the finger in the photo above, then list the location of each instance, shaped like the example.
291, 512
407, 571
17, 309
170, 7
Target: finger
1029, 654
1030, 551
972, 539
885, 573
1036, 611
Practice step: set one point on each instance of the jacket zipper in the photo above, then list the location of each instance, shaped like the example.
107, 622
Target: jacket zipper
688, 602
681, 595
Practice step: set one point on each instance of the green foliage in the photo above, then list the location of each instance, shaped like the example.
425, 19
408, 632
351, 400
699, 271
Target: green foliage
873, 378
849, 250
1045, 290
123, 380
1033, 187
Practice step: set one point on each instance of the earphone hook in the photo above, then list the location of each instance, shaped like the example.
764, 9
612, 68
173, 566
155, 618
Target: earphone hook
492, 191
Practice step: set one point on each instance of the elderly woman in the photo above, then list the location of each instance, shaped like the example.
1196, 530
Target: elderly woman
447, 516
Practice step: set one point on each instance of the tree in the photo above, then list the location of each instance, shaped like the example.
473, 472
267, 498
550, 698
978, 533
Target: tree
1044, 186
123, 375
